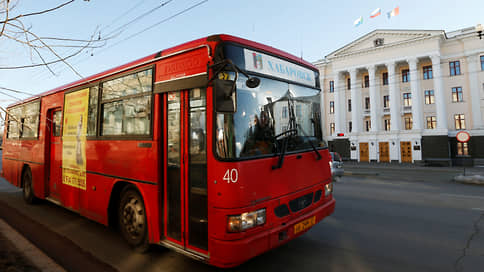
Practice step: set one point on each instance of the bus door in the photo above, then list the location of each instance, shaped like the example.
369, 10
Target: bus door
54, 150
186, 220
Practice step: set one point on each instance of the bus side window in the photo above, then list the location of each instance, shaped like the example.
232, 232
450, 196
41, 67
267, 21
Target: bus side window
56, 123
92, 111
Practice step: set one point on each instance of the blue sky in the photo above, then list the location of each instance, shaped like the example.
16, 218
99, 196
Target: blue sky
313, 28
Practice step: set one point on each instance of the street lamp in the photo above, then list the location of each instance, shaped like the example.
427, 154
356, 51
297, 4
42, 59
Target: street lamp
479, 30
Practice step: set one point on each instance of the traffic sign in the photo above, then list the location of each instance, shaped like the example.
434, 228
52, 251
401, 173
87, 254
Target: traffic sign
463, 136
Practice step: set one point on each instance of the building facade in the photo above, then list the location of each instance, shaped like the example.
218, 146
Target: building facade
403, 95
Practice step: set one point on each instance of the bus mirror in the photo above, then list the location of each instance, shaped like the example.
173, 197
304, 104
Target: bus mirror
225, 96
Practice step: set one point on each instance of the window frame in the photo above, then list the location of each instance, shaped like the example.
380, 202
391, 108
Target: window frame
367, 103
407, 99
432, 120
386, 101
482, 62
405, 75
460, 119
348, 83
331, 107
427, 72
332, 128
101, 102
454, 68
366, 81
429, 97
464, 148
349, 105
384, 77
457, 95
331, 86
20, 122
408, 122
386, 124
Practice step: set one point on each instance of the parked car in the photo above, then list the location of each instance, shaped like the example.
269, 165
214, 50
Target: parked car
336, 165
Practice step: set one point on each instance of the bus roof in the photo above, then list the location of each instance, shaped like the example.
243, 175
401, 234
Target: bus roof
153, 57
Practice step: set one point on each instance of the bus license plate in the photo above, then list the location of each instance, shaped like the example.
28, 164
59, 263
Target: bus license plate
304, 225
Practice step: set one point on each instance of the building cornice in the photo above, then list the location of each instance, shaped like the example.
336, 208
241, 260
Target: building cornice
384, 47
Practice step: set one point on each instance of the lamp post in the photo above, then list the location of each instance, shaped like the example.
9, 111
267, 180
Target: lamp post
479, 30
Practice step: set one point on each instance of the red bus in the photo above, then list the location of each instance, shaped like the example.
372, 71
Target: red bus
212, 148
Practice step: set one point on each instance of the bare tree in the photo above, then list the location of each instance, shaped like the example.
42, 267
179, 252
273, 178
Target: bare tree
43, 51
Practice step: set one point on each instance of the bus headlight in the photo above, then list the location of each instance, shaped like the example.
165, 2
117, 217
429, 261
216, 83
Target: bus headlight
237, 223
328, 189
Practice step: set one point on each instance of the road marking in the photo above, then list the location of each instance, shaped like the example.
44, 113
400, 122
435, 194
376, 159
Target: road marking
463, 196
478, 209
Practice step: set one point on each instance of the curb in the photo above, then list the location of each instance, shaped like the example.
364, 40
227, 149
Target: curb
38, 258
475, 179
349, 173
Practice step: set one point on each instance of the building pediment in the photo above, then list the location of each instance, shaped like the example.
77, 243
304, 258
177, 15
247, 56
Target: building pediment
383, 38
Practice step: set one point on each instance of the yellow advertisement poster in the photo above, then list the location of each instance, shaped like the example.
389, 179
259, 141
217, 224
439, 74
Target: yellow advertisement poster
74, 139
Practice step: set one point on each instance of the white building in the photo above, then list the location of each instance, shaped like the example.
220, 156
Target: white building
403, 95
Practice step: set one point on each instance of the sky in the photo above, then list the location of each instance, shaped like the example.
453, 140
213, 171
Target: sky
308, 28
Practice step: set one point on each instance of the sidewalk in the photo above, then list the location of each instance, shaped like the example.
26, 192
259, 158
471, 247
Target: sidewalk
471, 175
18, 254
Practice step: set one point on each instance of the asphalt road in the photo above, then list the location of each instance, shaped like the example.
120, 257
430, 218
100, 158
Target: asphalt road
381, 223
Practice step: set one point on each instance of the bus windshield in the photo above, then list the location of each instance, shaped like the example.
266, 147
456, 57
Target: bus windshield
264, 117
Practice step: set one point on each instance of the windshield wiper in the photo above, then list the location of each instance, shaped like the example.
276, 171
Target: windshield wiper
292, 131
288, 133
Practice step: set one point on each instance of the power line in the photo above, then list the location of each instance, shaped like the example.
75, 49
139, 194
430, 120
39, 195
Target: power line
15, 91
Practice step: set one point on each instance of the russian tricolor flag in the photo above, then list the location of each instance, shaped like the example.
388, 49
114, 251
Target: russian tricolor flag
358, 21
375, 13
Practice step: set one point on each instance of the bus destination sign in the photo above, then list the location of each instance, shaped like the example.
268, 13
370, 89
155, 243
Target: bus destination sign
269, 65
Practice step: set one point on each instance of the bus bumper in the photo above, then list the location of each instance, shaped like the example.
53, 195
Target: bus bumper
232, 253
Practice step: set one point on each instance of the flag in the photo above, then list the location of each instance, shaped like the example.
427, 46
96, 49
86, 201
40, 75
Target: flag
393, 13
358, 21
375, 13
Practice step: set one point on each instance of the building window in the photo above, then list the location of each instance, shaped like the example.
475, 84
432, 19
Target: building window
408, 123
349, 84
387, 124
454, 68
462, 149
367, 81
405, 75
482, 63
368, 125
331, 128
349, 105
457, 94
407, 99
431, 122
429, 97
299, 111
331, 107
427, 72
350, 126
331, 86
386, 101
367, 103
460, 121
284, 111
384, 78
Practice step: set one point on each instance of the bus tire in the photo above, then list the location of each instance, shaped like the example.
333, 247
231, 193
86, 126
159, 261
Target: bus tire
132, 219
28, 188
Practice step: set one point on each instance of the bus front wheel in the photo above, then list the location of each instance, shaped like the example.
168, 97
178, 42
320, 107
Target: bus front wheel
132, 219
28, 189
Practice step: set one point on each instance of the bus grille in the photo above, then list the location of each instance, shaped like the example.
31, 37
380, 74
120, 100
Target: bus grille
301, 202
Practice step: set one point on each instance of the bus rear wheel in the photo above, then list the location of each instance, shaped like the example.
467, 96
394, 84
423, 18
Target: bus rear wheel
28, 189
132, 219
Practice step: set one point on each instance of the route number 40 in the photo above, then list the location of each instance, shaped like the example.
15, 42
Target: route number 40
231, 175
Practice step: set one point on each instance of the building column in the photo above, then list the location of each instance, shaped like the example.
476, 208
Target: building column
439, 93
417, 109
356, 117
374, 99
474, 66
339, 106
395, 118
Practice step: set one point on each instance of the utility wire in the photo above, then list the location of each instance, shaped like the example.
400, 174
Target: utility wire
15, 91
